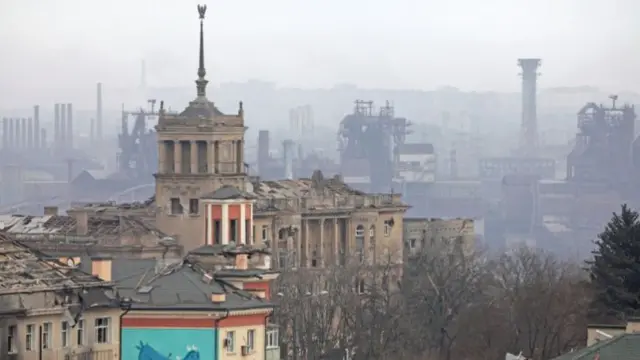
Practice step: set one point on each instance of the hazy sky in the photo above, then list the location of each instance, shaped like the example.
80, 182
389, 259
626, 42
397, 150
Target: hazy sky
394, 44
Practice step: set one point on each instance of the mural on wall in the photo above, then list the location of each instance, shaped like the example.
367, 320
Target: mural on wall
168, 344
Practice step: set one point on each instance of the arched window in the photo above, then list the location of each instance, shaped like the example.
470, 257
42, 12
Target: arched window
359, 231
360, 242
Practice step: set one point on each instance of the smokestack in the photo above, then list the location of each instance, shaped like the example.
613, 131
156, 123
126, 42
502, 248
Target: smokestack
63, 126
70, 126
287, 147
99, 113
93, 129
10, 134
56, 126
529, 126
36, 127
263, 151
23, 133
30, 133
43, 138
5, 133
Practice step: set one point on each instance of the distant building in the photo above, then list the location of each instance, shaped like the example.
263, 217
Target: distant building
421, 233
51, 310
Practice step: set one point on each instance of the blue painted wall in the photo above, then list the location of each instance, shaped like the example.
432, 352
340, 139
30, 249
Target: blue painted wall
168, 344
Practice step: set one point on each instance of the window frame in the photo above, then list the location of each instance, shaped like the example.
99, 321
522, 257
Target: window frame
29, 337
194, 206
12, 333
46, 341
273, 341
230, 339
106, 327
251, 340
80, 333
65, 334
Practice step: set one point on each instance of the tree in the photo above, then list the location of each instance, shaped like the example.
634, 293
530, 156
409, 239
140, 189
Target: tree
615, 268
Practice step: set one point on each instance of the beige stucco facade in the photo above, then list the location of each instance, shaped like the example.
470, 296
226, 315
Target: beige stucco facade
240, 335
421, 233
58, 346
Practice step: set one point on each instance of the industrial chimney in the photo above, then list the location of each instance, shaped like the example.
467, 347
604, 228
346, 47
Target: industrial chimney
529, 126
5, 133
287, 147
92, 134
23, 133
99, 113
29, 133
43, 138
263, 151
63, 126
56, 126
69, 136
36, 127
10, 134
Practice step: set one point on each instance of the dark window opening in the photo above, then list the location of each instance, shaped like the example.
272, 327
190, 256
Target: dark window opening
176, 207
194, 206
217, 231
233, 230
247, 233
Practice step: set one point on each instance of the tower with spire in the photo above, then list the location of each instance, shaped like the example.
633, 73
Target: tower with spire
199, 150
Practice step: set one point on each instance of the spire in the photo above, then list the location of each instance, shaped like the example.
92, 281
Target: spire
201, 83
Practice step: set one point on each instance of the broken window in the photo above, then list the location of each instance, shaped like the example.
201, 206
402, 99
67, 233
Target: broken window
194, 206
176, 207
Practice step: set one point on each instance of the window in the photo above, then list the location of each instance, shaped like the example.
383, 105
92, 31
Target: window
229, 341
272, 339
264, 232
372, 231
359, 286
29, 340
251, 334
46, 336
360, 231
12, 331
233, 230
80, 332
194, 207
103, 335
387, 228
176, 207
64, 334
412, 243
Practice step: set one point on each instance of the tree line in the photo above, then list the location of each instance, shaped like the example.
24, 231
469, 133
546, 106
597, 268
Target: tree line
443, 304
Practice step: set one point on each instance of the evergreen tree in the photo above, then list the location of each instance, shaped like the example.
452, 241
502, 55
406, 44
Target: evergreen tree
615, 268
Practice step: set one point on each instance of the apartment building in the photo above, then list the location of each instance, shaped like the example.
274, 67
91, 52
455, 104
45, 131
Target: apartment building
52, 310
421, 233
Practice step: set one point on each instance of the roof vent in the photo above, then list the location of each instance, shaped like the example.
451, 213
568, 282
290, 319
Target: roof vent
207, 278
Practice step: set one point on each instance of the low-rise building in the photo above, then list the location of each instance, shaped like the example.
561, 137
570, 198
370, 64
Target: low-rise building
51, 310
604, 342
420, 233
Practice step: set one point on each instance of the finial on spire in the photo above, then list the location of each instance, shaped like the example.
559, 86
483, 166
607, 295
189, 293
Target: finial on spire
201, 83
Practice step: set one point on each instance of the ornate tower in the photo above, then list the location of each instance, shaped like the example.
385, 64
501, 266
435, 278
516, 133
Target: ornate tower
199, 150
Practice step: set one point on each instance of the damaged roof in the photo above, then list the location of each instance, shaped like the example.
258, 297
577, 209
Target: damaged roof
24, 270
105, 228
183, 284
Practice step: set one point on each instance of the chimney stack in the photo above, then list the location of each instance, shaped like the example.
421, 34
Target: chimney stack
5, 133
101, 267
56, 126
36, 127
23, 133
30, 133
70, 126
63, 126
99, 113
10, 134
43, 138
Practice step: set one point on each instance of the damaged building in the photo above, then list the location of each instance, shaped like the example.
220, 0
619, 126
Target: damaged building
89, 230
201, 150
52, 310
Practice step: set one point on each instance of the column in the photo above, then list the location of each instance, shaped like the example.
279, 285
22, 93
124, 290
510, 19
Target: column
243, 224
251, 236
298, 237
177, 157
162, 150
194, 157
224, 221
307, 258
211, 157
336, 243
322, 244
209, 218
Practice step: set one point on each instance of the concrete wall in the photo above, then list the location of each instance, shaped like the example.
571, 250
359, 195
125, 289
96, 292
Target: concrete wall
168, 343
89, 343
